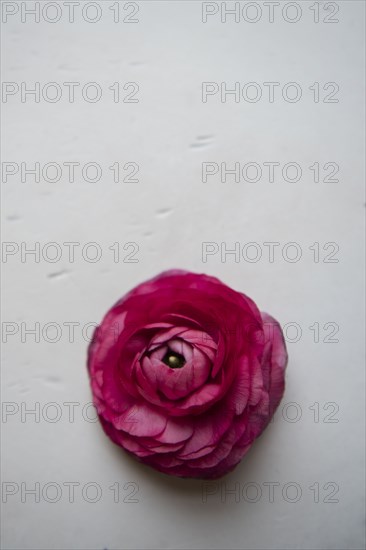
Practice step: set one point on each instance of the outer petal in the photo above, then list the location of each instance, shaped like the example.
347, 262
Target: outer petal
277, 359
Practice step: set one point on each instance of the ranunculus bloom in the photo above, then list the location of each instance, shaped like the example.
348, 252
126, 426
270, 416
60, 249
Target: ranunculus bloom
186, 373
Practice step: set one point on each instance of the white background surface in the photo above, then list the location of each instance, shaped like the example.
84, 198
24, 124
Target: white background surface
169, 213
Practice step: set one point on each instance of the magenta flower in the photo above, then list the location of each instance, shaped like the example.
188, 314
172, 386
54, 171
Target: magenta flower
186, 373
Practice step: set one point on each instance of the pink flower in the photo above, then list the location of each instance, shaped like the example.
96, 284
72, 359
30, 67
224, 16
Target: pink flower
186, 373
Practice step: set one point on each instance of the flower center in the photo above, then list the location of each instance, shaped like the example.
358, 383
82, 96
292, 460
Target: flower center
174, 360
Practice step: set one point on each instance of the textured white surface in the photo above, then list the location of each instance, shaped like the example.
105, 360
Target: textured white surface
169, 133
